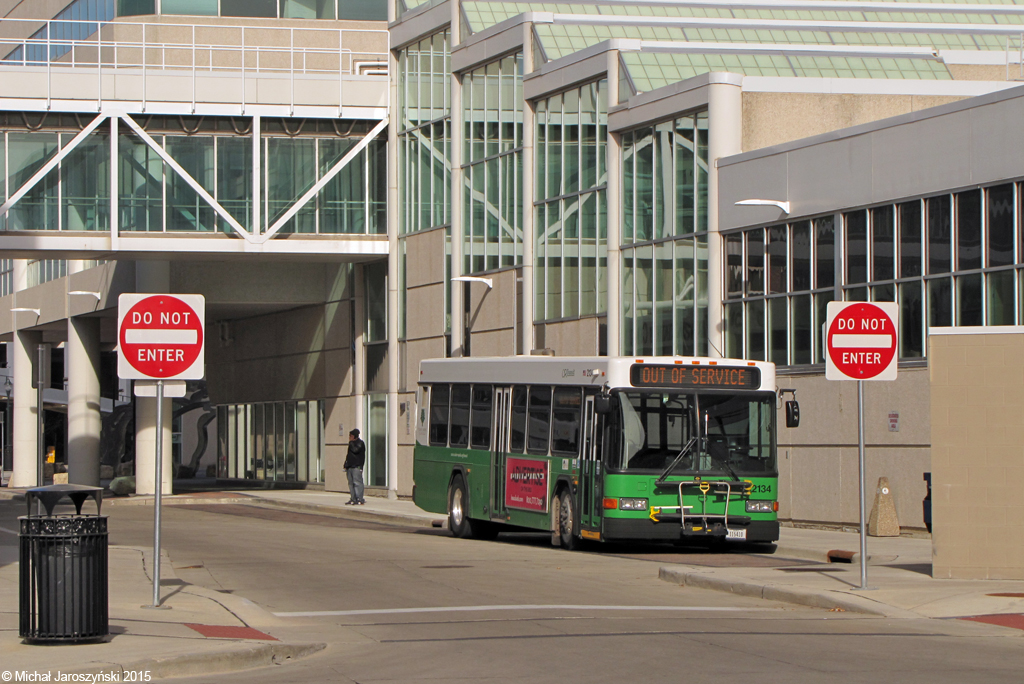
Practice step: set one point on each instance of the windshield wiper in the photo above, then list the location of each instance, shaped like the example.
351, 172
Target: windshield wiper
675, 461
725, 462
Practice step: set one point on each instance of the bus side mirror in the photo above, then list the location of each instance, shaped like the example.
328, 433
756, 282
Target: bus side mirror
604, 404
792, 414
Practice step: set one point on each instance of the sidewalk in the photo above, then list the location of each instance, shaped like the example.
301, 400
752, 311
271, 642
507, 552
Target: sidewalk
899, 579
202, 632
899, 568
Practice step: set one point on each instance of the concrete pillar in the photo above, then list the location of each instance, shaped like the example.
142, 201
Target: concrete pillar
394, 282
145, 446
25, 429
84, 420
529, 229
725, 138
25, 441
458, 289
614, 197
152, 277
359, 357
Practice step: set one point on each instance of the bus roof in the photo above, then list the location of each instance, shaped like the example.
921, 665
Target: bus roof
592, 371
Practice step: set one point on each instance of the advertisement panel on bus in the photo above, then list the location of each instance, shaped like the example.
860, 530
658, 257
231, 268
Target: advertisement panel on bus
526, 484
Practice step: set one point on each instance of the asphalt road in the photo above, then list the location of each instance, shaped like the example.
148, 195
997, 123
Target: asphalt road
411, 605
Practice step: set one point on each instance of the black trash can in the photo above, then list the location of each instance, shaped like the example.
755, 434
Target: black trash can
63, 573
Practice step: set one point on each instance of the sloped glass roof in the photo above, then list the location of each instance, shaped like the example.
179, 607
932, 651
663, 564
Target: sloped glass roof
482, 14
652, 70
559, 40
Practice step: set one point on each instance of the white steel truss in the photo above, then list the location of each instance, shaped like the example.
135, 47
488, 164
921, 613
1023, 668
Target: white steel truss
254, 236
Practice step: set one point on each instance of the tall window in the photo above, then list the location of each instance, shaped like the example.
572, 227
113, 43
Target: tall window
424, 133
946, 260
571, 223
778, 282
664, 223
282, 441
492, 98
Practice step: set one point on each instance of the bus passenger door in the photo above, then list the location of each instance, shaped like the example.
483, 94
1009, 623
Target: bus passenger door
502, 398
589, 493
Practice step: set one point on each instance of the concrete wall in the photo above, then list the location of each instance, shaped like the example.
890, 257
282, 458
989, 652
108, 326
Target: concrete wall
874, 163
774, 118
493, 314
571, 338
301, 349
818, 461
977, 398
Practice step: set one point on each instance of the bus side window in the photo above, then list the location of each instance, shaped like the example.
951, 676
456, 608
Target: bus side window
539, 432
460, 416
439, 395
518, 428
565, 421
480, 430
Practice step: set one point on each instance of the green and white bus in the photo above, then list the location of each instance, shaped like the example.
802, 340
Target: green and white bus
599, 448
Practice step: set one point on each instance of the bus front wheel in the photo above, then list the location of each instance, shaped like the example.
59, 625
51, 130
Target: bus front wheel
566, 516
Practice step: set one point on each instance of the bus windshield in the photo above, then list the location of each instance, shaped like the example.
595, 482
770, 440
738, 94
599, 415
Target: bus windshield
720, 434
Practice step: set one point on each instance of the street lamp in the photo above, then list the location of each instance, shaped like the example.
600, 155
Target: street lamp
465, 327
783, 205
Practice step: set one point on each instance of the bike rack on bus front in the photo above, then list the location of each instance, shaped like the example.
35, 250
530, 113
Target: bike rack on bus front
705, 487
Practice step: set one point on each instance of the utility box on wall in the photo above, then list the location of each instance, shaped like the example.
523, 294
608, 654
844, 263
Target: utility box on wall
977, 400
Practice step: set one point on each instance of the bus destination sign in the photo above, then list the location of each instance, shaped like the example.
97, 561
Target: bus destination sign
707, 377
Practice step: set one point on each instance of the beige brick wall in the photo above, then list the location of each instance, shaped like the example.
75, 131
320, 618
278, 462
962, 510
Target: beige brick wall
977, 404
775, 118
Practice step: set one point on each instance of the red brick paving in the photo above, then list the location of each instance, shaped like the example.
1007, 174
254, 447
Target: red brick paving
230, 632
1013, 620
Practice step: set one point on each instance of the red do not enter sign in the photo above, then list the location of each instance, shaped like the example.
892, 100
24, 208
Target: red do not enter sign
160, 337
861, 341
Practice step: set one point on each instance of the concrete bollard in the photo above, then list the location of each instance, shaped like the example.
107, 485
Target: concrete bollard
883, 521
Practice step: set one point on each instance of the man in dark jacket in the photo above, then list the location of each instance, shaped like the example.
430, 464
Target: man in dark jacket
354, 468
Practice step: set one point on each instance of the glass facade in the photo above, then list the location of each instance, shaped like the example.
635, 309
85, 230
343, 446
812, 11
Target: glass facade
276, 441
778, 281
77, 21
947, 260
570, 203
664, 235
375, 10
6, 277
424, 134
153, 198
44, 270
492, 102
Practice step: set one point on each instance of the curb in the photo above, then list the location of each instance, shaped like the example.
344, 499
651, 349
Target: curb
778, 592
818, 556
381, 517
214, 662
248, 612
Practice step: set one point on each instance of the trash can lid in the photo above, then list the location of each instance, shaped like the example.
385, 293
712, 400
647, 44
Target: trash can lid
50, 495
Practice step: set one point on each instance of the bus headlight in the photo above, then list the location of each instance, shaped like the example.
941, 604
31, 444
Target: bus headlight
632, 504
760, 506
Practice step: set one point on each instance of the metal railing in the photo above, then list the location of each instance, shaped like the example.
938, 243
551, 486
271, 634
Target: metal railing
202, 49
1015, 57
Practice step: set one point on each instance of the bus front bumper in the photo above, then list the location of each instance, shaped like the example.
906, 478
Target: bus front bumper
626, 529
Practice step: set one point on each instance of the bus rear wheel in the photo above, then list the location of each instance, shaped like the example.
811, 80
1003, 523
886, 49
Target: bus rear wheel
566, 517
458, 522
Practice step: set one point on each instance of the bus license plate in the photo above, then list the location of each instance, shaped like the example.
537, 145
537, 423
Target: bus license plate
735, 534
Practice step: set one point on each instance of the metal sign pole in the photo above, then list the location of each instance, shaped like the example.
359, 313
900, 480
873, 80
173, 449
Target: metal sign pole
159, 486
40, 413
860, 458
